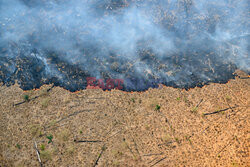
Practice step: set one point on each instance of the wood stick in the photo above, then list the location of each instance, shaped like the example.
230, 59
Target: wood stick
244, 77
136, 148
73, 114
99, 156
70, 115
152, 160
226, 145
38, 154
199, 103
22, 102
158, 161
131, 151
87, 141
219, 111
225, 110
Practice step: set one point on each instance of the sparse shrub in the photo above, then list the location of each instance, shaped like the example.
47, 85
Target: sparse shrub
40, 134
150, 103
177, 140
188, 139
178, 98
234, 163
172, 129
18, 146
26, 97
194, 110
50, 137
147, 127
157, 107
42, 147
228, 98
133, 100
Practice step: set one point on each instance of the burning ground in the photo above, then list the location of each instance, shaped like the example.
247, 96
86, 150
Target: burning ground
55, 45
178, 43
206, 126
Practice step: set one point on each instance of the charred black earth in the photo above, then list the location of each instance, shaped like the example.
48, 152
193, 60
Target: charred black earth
30, 71
180, 50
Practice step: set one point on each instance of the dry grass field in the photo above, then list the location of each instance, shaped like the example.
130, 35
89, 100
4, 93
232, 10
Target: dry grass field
206, 126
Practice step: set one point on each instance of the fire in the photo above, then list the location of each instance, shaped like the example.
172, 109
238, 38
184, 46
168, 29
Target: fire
158, 42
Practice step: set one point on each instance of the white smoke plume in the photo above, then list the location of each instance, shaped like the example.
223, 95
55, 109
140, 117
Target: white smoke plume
175, 42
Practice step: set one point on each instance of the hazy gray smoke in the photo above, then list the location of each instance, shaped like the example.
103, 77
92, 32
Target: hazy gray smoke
163, 40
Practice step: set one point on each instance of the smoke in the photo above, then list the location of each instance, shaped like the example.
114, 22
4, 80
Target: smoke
181, 43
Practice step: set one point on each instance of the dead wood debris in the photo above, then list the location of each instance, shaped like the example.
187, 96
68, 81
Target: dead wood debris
70, 115
99, 156
87, 141
216, 112
22, 102
158, 161
38, 154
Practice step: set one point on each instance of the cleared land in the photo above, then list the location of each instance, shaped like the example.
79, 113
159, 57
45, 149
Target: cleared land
206, 126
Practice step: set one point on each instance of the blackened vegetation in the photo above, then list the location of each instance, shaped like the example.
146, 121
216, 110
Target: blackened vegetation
30, 72
187, 67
